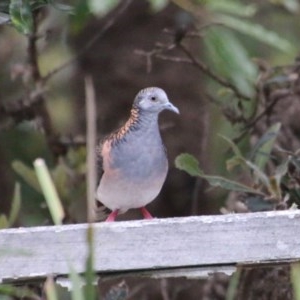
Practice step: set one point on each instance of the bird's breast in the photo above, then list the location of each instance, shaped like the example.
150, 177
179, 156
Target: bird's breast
137, 157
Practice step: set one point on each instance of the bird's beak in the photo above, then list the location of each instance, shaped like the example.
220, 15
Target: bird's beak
170, 106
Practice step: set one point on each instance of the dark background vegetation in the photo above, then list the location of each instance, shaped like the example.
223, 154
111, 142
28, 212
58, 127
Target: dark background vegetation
231, 67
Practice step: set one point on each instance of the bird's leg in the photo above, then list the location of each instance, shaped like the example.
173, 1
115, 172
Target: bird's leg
112, 216
146, 213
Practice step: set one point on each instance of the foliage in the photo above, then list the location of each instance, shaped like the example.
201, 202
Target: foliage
266, 190
239, 86
9, 221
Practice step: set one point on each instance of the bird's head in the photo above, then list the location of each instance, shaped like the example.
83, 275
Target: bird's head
153, 99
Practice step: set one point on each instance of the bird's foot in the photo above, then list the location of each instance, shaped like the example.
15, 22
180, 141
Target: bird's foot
146, 213
112, 216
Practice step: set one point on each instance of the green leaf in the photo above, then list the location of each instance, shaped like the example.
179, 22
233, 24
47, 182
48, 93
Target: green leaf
101, 8
233, 162
21, 16
77, 293
227, 184
49, 191
232, 145
16, 204
18, 292
274, 187
227, 55
3, 221
50, 289
259, 175
90, 278
158, 5
258, 32
241, 160
79, 15
188, 163
295, 278
292, 6
233, 285
27, 174
232, 7
260, 154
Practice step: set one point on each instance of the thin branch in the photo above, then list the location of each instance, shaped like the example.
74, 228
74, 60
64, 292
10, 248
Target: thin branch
123, 6
206, 70
91, 133
279, 95
160, 51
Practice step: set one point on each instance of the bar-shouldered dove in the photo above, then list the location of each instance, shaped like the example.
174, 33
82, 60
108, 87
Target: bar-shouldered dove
134, 159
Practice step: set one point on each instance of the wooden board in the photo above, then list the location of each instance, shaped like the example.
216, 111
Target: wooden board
159, 246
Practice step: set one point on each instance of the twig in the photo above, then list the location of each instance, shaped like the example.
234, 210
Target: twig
91, 134
275, 98
123, 6
206, 70
159, 53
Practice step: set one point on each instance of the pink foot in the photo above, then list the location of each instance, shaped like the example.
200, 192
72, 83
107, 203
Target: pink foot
146, 213
112, 216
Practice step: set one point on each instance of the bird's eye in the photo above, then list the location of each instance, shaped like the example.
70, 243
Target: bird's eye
153, 98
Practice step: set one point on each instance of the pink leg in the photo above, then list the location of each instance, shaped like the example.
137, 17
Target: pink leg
112, 216
146, 213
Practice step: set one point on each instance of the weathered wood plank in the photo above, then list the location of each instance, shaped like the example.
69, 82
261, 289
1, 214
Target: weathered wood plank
192, 242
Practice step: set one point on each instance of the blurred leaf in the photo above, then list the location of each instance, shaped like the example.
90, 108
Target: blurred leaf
27, 174
101, 8
158, 5
36, 4
295, 278
76, 159
260, 154
49, 191
239, 159
295, 161
227, 184
227, 55
80, 15
18, 292
258, 174
16, 205
274, 187
233, 146
233, 162
21, 15
61, 180
90, 277
50, 289
233, 285
258, 32
189, 163
4, 6
292, 6
77, 293
3, 221
232, 7
62, 6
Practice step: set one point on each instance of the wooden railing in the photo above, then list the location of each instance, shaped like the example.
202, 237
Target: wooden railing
190, 246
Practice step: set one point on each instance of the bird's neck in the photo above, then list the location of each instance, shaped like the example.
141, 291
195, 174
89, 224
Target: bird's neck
139, 121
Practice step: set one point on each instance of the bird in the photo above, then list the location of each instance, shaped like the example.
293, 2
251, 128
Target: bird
134, 159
